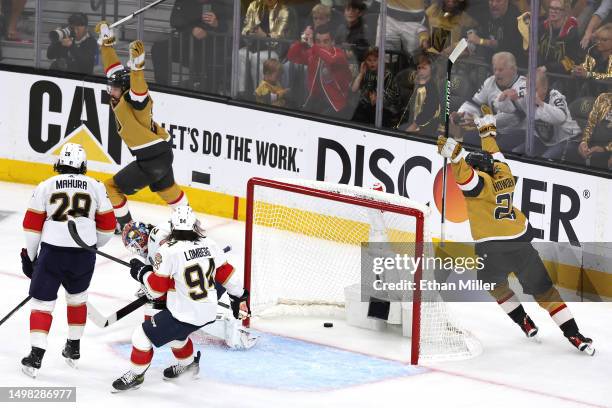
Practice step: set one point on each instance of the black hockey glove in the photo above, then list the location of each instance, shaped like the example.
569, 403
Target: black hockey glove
138, 269
27, 265
235, 302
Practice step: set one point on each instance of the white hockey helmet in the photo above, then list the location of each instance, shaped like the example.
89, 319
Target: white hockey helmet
72, 155
183, 219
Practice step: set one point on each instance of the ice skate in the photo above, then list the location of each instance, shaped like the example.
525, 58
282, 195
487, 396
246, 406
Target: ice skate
176, 370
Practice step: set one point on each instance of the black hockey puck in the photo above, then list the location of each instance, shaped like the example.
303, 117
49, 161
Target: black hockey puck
328, 324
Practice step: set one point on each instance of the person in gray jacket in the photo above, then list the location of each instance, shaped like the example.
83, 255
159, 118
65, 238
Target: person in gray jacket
557, 134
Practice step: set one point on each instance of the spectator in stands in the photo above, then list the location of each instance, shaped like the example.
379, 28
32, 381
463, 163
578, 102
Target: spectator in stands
354, 35
599, 16
270, 91
196, 22
405, 29
598, 64
73, 48
320, 14
502, 92
264, 20
366, 84
423, 111
558, 47
10, 24
499, 32
596, 145
557, 134
329, 76
448, 22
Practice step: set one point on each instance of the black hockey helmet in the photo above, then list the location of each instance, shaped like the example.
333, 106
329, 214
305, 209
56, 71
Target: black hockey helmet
481, 160
120, 79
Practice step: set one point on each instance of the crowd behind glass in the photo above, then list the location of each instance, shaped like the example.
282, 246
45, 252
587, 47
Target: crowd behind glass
323, 58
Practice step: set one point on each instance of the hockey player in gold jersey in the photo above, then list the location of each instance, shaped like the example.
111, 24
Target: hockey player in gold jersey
503, 234
147, 141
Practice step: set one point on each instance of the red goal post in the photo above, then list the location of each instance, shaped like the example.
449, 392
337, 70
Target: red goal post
331, 196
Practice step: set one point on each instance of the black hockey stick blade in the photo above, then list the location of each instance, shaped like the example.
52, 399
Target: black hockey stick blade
19, 306
75, 236
126, 310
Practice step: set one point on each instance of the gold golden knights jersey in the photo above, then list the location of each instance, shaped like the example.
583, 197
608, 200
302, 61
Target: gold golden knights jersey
134, 112
491, 212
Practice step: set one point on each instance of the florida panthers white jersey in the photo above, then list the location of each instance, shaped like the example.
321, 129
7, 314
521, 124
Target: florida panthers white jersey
66, 196
187, 271
157, 237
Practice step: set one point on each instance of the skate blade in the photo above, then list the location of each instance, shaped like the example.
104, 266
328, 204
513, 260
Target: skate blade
590, 350
116, 391
535, 339
30, 371
72, 363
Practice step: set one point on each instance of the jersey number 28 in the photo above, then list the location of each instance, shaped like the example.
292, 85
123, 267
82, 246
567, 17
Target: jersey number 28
198, 281
77, 206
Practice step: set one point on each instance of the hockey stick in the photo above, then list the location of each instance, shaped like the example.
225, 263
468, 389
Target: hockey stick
75, 236
19, 306
459, 48
134, 14
97, 317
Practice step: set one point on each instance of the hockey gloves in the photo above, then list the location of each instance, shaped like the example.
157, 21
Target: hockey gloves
486, 125
450, 148
137, 56
106, 35
138, 269
27, 265
235, 302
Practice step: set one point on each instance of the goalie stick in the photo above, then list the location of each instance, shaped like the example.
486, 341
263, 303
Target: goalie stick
134, 14
97, 317
459, 48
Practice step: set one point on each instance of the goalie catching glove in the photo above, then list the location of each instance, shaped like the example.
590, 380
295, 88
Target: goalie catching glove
451, 149
486, 125
106, 36
235, 302
137, 56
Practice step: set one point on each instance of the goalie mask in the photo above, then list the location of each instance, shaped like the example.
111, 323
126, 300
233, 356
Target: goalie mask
135, 237
482, 161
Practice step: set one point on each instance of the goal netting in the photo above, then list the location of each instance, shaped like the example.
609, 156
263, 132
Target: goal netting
304, 249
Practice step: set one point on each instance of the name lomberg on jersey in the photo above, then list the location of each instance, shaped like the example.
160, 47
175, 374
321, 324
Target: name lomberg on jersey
70, 183
197, 253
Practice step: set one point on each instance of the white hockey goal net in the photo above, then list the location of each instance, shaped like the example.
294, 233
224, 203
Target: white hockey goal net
304, 247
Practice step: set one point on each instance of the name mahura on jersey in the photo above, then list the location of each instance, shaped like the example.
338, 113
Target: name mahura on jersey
70, 183
196, 253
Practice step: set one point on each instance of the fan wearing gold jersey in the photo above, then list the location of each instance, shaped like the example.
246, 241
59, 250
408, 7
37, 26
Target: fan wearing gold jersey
147, 141
503, 234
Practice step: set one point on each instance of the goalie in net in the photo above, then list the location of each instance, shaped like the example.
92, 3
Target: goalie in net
319, 228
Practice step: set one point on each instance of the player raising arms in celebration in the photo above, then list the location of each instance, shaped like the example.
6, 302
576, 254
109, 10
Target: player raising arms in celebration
185, 269
503, 234
60, 260
147, 141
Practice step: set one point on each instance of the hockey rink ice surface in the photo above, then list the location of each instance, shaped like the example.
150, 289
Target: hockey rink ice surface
294, 364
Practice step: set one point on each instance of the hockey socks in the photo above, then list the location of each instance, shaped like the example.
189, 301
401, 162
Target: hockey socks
76, 313
183, 351
40, 322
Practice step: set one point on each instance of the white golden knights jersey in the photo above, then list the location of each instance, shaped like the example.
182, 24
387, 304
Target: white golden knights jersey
187, 271
507, 112
63, 196
491, 212
134, 112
